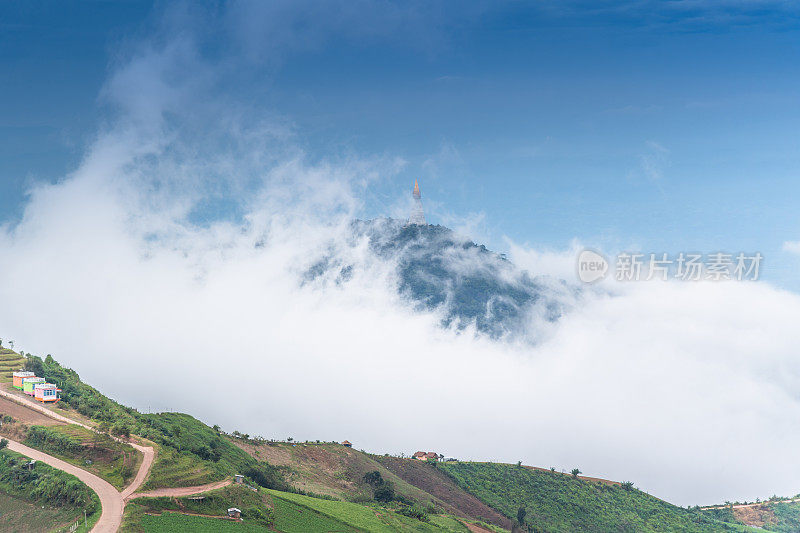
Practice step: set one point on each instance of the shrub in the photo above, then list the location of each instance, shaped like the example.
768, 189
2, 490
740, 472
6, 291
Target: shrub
267, 476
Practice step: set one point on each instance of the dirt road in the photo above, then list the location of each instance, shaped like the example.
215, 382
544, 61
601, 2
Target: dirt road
113, 503
110, 500
182, 491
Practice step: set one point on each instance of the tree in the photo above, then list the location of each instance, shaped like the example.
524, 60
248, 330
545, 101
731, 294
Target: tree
373, 478
3, 443
575, 472
521, 512
290, 439
519, 464
627, 485
384, 493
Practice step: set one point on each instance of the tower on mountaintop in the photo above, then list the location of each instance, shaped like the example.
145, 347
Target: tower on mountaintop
417, 214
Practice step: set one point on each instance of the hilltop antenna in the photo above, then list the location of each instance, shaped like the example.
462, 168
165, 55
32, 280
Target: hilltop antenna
417, 214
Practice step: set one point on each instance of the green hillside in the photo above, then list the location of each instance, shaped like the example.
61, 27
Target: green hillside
556, 502
326, 486
770, 515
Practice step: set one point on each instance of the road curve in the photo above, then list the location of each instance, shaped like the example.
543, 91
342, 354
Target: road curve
144, 469
110, 500
114, 503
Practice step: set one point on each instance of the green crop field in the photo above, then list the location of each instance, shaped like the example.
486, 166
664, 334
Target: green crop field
169, 522
22, 516
293, 518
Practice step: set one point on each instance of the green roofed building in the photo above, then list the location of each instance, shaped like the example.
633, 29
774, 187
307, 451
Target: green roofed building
29, 384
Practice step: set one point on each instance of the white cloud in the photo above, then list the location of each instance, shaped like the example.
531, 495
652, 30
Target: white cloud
793, 247
685, 389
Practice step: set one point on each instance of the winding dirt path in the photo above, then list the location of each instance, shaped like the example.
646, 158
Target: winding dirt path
181, 491
746, 505
111, 501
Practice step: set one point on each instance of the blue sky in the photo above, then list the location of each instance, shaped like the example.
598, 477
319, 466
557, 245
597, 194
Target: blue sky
650, 126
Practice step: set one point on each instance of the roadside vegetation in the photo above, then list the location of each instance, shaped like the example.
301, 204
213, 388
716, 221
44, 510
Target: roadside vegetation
55, 494
96, 452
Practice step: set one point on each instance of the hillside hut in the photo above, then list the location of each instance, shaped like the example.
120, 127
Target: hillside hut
46, 392
234, 512
28, 384
347, 444
17, 377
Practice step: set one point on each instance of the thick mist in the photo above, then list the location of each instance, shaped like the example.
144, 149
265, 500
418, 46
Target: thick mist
167, 269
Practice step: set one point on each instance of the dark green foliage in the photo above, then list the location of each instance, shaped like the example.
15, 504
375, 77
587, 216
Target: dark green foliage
787, 516
382, 490
521, 515
385, 492
3, 443
555, 502
267, 476
415, 511
373, 478
42, 483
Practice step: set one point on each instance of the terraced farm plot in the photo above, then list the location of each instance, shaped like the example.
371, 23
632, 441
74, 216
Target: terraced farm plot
10, 362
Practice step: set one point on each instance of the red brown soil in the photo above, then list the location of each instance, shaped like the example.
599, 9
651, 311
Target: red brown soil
755, 515
26, 415
438, 484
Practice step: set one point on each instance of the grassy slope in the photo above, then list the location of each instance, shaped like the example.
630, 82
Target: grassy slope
555, 502
19, 515
106, 457
213, 503
334, 470
438, 484
10, 362
360, 517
